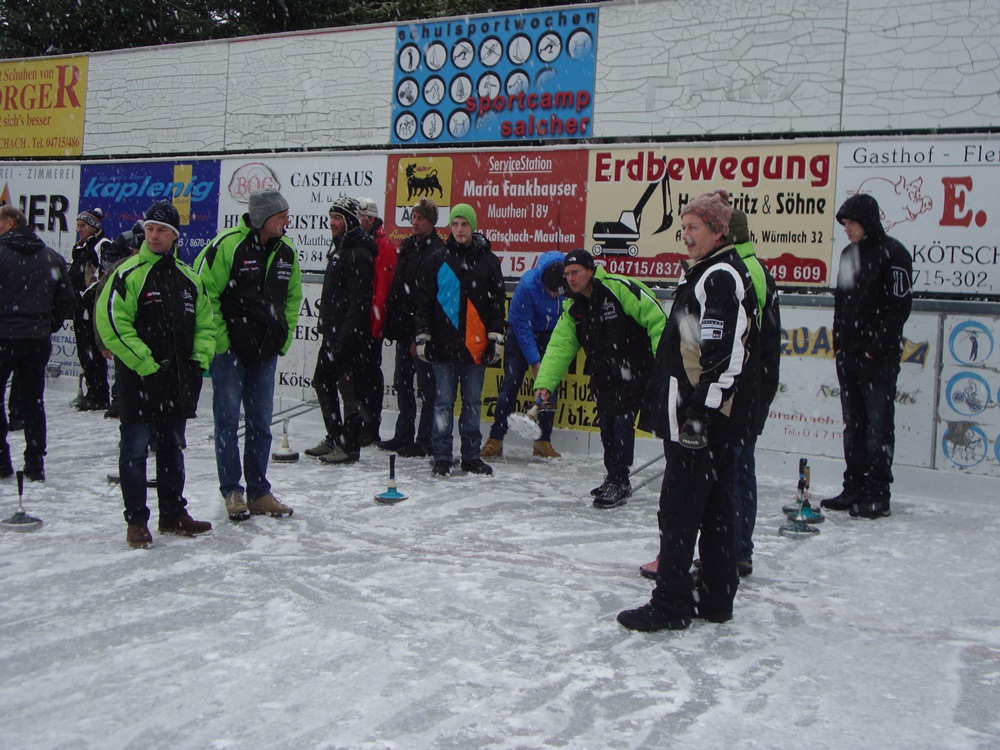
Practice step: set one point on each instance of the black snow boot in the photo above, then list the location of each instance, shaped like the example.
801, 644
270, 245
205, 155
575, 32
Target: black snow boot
649, 618
843, 501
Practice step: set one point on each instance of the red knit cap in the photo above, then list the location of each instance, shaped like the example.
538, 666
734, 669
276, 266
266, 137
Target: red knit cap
713, 209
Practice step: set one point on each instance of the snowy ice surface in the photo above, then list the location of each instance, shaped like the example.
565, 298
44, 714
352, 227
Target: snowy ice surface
480, 613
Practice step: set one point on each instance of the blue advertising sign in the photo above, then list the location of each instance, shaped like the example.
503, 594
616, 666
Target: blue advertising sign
518, 77
124, 191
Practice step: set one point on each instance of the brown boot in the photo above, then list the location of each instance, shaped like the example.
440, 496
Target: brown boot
183, 525
138, 537
544, 449
492, 449
268, 504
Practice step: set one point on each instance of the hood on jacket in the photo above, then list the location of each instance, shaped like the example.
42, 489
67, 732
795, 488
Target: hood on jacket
22, 240
863, 209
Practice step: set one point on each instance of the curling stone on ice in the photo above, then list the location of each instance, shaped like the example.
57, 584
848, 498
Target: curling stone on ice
391, 495
21, 521
800, 525
284, 454
526, 424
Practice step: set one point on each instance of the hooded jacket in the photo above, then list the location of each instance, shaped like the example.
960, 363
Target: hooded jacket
35, 293
532, 309
385, 269
707, 364
85, 270
345, 304
401, 303
155, 317
874, 294
619, 327
460, 301
256, 292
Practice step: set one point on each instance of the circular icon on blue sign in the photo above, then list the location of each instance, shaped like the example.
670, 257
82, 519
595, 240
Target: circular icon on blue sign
965, 445
971, 343
968, 393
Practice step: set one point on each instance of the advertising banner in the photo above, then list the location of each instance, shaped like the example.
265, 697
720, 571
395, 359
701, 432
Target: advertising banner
42, 105
124, 191
309, 184
635, 196
518, 77
935, 197
806, 416
968, 422
526, 202
46, 192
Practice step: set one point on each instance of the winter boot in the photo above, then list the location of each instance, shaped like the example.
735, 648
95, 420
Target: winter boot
598, 491
649, 618
615, 495
413, 450
322, 449
339, 456
89, 404
492, 449
871, 509
138, 537
442, 468
544, 449
34, 475
392, 444
843, 501
114, 411
236, 506
183, 525
268, 504
649, 569
477, 466
15, 425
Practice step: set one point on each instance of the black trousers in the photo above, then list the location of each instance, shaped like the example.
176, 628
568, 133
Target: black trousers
336, 376
868, 400
371, 386
26, 360
697, 496
92, 362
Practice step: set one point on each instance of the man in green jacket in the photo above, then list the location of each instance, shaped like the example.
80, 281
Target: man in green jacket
618, 322
155, 318
251, 275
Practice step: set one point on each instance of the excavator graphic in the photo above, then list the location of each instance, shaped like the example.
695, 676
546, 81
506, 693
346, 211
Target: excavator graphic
619, 237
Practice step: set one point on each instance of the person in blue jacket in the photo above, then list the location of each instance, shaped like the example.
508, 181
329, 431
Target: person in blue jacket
534, 311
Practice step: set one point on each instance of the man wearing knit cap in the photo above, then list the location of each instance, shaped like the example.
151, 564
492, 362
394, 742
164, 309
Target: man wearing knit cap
154, 315
459, 324
84, 271
618, 322
373, 383
251, 275
409, 439
872, 302
344, 325
702, 401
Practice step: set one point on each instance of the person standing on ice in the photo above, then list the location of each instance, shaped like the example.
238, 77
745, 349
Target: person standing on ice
35, 299
154, 315
251, 274
412, 438
618, 322
459, 325
533, 313
872, 302
84, 272
702, 400
344, 324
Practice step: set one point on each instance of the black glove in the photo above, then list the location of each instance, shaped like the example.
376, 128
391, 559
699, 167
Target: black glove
694, 434
494, 349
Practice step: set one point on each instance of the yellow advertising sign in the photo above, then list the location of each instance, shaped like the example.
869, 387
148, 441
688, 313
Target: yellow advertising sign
42, 105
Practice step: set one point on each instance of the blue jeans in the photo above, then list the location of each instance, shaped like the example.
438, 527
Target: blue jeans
26, 360
514, 368
868, 400
408, 366
168, 436
618, 439
253, 387
744, 499
446, 379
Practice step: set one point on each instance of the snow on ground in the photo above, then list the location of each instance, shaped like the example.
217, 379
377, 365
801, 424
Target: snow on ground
480, 613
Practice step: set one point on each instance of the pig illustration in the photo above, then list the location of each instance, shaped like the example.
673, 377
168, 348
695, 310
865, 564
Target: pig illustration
899, 201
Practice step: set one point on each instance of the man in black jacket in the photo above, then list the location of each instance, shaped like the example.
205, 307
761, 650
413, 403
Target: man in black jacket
411, 439
344, 310
702, 400
35, 299
871, 304
84, 272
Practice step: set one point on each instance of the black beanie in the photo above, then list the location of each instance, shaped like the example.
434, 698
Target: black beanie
580, 257
163, 212
553, 278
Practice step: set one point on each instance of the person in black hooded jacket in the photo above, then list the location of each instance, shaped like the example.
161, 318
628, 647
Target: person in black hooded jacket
35, 299
344, 324
84, 271
871, 304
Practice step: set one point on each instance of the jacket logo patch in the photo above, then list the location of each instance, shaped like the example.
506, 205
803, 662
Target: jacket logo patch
900, 282
608, 311
711, 330
186, 295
